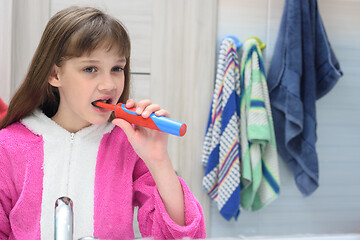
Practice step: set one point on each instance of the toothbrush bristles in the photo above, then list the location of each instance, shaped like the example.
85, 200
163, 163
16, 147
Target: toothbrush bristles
104, 105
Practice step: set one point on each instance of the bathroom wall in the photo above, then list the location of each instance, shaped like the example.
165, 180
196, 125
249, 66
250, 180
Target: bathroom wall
5, 50
335, 206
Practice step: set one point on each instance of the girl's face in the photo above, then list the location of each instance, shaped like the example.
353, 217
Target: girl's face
83, 80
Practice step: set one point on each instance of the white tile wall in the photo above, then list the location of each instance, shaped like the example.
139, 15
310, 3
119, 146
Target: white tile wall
335, 207
5, 49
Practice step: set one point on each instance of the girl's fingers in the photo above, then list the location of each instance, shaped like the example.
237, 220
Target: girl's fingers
141, 105
162, 112
145, 108
150, 109
130, 103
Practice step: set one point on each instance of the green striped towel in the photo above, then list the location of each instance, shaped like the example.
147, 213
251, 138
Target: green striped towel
259, 166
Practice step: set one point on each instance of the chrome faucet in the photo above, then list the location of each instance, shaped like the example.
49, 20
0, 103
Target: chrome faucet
63, 219
64, 223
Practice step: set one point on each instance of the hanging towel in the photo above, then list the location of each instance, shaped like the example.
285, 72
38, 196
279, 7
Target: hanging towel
303, 69
221, 149
260, 168
3, 109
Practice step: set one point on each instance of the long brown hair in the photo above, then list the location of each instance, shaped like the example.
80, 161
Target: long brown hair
71, 32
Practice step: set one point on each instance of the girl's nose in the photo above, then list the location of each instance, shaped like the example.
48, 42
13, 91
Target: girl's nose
107, 82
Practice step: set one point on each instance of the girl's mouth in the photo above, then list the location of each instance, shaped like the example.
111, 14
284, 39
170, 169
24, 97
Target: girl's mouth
108, 100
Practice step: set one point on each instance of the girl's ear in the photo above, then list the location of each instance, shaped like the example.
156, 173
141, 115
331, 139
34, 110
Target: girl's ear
54, 79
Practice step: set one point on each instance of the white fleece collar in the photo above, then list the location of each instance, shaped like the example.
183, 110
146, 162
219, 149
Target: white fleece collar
69, 168
41, 125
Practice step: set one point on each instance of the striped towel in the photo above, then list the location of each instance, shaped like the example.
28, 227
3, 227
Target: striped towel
259, 169
221, 150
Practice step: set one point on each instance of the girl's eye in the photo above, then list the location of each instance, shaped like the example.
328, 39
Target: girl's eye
117, 69
90, 69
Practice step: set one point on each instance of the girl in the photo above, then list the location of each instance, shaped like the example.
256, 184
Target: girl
54, 142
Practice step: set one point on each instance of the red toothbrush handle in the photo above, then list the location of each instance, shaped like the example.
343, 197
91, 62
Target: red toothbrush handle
159, 123
130, 115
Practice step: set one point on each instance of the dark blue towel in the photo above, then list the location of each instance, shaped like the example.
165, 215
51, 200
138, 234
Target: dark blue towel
303, 69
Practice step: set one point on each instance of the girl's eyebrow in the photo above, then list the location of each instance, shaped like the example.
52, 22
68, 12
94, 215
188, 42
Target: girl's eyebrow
120, 60
89, 61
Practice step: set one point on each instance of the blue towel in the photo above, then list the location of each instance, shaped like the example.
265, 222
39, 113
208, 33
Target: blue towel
303, 69
221, 151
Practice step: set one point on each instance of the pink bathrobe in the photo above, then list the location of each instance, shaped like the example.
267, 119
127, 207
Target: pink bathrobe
40, 161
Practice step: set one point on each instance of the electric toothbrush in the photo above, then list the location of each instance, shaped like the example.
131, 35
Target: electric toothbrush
159, 123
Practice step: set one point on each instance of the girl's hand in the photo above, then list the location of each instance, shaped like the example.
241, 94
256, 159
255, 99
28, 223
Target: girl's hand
150, 145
